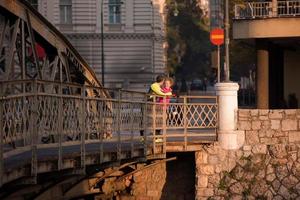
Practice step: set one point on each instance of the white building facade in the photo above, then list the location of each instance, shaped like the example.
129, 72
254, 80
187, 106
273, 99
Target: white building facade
134, 37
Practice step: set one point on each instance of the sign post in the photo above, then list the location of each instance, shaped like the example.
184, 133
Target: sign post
217, 38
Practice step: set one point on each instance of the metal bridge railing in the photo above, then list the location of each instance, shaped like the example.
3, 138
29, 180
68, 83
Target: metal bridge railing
35, 113
252, 10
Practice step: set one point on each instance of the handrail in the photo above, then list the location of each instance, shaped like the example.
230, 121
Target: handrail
254, 10
36, 118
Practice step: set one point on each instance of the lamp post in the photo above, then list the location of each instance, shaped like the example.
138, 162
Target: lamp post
227, 26
102, 45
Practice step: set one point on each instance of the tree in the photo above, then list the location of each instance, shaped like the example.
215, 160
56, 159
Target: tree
188, 39
189, 46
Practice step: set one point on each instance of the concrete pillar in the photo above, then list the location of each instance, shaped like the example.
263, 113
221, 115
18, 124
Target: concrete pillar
262, 76
228, 135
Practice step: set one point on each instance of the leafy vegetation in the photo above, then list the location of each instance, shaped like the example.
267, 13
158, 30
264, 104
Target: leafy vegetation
189, 52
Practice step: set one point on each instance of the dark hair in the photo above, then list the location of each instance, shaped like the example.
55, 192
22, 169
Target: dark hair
160, 78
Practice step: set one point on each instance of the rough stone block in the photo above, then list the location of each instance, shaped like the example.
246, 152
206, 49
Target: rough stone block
266, 125
267, 140
213, 160
218, 168
202, 181
201, 157
244, 125
252, 137
243, 113
247, 148
205, 192
237, 197
222, 155
254, 113
282, 140
289, 125
256, 125
236, 188
283, 191
275, 124
278, 150
153, 193
266, 133
259, 149
207, 169
276, 114
247, 153
291, 112
290, 181
271, 177
298, 114
264, 112
294, 136
263, 117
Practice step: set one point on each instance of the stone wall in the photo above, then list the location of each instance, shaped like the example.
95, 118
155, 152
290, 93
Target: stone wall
174, 180
266, 167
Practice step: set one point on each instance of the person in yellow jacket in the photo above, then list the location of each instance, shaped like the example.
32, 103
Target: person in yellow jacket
156, 90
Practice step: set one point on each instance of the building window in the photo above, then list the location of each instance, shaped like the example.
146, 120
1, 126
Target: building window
34, 3
65, 7
114, 11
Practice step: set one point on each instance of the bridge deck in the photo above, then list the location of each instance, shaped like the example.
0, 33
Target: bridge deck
54, 113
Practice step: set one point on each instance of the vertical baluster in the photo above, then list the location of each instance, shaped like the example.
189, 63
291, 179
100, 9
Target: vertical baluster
1, 135
119, 125
185, 121
60, 119
34, 131
83, 128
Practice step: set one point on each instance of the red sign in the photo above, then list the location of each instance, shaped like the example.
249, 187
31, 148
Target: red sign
217, 36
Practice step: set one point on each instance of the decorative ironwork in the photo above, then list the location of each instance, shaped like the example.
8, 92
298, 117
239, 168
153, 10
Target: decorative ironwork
252, 10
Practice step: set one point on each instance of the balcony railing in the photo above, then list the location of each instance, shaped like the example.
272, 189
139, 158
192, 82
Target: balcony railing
253, 10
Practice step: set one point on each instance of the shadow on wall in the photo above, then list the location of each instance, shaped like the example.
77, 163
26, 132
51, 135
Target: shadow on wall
180, 180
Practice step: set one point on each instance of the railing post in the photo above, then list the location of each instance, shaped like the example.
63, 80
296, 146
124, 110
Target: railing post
119, 125
154, 123
34, 131
185, 121
145, 125
102, 118
1, 136
60, 126
165, 110
131, 129
83, 128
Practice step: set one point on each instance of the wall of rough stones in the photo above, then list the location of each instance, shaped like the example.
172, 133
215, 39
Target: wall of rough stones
266, 167
174, 180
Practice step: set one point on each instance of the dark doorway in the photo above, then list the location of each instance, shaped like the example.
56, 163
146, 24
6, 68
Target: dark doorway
180, 183
276, 64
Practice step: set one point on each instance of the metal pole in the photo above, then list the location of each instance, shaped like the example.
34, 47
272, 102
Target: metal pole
153, 42
102, 45
227, 26
218, 64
